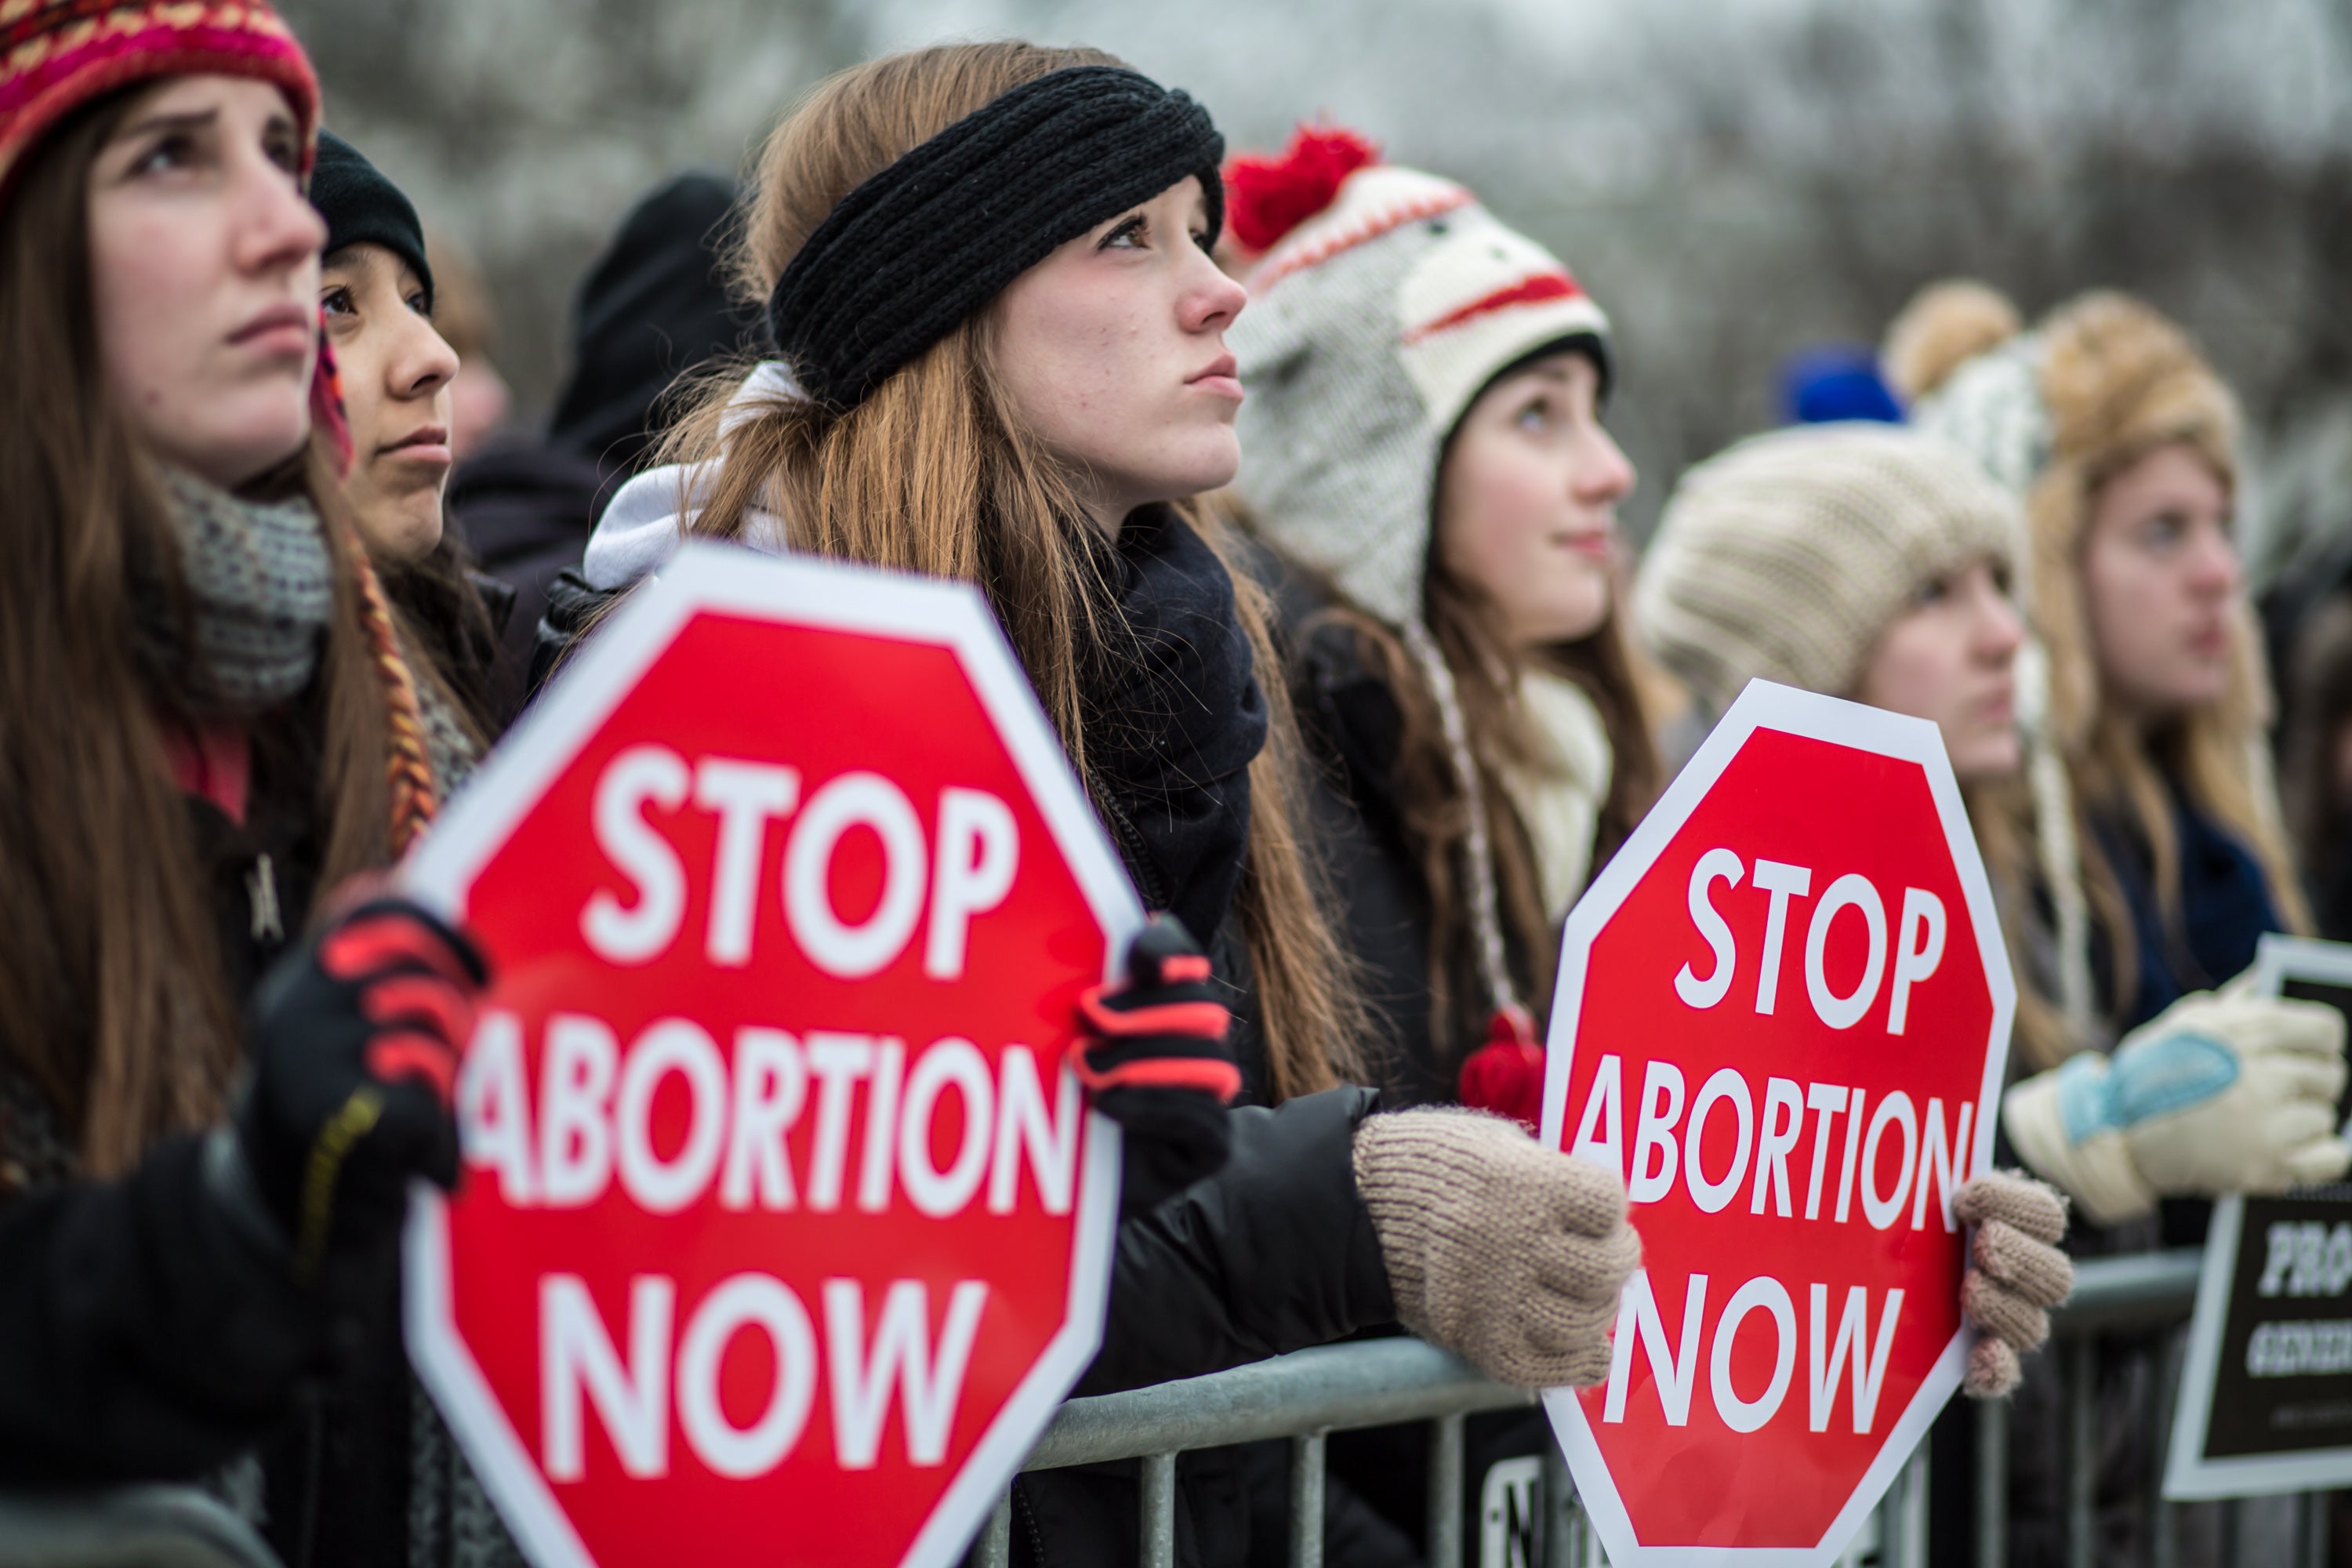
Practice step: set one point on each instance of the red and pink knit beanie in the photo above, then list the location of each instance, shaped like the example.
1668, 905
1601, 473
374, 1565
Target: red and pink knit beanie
57, 55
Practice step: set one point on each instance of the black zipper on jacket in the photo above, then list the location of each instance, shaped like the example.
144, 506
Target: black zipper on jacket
1028, 1517
1130, 841
313, 1416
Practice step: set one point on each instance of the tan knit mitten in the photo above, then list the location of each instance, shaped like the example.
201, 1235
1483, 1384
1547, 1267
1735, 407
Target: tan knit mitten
1508, 1254
2016, 1273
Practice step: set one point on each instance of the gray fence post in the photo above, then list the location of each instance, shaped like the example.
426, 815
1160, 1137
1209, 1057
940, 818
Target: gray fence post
161, 1526
1159, 1511
2082, 1453
996, 1537
2162, 1524
1890, 1511
1445, 1492
1307, 1502
1392, 1382
1992, 1483
1559, 1508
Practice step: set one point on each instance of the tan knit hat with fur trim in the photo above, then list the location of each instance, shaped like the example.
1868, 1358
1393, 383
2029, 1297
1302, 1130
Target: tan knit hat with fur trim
2099, 383
1786, 557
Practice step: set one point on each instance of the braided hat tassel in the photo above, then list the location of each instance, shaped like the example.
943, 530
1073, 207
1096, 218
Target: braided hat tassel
409, 767
1486, 918
1506, 1073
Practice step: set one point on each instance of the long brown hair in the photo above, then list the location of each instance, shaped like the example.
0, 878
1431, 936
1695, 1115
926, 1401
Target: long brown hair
1486, 672
112, 995
934, 472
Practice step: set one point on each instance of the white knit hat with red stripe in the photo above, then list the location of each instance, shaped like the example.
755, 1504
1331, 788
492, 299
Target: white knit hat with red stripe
1383, 301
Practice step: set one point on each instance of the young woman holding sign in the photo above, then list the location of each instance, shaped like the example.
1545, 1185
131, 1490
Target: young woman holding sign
1874, 563
2162, 853
207, 1122
1025, 393
1444, 493
1421, 447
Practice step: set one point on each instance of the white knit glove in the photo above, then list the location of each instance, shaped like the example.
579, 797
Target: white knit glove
2015, 1275
2216, 1094
1505, 1252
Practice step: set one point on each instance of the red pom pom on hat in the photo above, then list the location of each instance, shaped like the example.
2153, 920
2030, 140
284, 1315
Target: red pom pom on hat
1265, 199
1505, 1075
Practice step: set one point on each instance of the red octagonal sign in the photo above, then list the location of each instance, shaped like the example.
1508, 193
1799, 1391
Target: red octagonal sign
783, 1225
1783, 1016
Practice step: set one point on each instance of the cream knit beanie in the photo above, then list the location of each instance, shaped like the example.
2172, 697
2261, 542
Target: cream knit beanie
1787, 556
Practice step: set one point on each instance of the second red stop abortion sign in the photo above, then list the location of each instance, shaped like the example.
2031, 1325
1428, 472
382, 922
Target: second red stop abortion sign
1783, 1016
783, 1225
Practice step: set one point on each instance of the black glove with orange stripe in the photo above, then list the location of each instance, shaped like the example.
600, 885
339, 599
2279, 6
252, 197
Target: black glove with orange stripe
355, 1043
1155, 1061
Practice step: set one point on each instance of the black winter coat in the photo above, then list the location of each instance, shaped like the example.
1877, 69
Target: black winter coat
652, 308
142, 1337
1354, 733
1275, 1252
524, 510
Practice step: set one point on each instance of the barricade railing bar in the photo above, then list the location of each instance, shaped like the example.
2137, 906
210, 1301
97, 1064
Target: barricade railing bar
127, 1526
1306, 1396
1303, 1398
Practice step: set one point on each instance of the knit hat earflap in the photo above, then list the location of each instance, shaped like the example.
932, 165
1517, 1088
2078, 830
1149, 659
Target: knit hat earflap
58, 55
1384, 301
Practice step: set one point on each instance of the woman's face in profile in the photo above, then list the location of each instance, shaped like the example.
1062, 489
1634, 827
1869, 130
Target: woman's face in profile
203, 271
1950, 657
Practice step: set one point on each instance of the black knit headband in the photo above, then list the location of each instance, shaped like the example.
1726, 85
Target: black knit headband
922, 246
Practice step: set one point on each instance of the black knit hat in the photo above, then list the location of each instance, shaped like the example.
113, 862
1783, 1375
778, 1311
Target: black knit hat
653, 307
920, 247
362, 207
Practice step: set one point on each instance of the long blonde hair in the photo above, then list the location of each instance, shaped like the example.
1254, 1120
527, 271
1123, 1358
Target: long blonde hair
2118, 380
935, 472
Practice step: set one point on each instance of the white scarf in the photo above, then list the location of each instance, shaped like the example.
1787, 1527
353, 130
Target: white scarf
650, 515
1560, 802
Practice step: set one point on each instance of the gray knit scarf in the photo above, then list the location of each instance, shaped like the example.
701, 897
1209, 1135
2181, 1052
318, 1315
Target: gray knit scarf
262, 585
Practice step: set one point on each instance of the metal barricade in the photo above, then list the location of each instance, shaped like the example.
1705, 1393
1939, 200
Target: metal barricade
1306, 1396
127, 1526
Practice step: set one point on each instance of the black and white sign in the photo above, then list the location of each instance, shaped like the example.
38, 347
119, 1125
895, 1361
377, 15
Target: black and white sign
2266, 1394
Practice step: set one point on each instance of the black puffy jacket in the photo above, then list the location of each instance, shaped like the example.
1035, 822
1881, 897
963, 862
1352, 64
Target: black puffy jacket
143, 1338
1277, 1251
1354, 734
